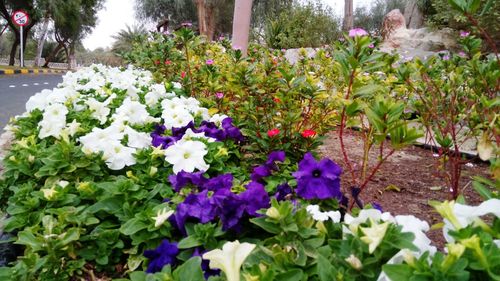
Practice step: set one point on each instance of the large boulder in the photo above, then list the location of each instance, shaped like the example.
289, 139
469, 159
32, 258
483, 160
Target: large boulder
413, 42
393, 21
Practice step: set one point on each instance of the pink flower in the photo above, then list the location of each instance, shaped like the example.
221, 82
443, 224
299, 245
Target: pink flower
183, 74
357, 32
186, 24
219, 95
273, 132
464, 33
371, 46
308, 133
168, 62
209, 62
462, 54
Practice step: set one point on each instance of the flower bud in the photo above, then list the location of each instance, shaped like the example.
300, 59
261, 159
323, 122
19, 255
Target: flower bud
273, 213
353, 261
153, 171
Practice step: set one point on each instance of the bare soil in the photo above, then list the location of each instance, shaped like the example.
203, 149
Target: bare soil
414, 175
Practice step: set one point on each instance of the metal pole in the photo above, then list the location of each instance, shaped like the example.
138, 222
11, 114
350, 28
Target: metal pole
22, 57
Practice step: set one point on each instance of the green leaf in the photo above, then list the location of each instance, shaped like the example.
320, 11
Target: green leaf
133, 226
73, 234
326, 271
28, 239
291, 275
190, 270
400, 272
473, 5
267, 226
138, 276
189, 242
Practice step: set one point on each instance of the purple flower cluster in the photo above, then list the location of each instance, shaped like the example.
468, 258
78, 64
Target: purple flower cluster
164, 254
223, 203
318, 180
268, 167
210, 129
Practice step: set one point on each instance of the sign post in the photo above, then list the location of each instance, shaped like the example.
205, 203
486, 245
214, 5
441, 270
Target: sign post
21, 19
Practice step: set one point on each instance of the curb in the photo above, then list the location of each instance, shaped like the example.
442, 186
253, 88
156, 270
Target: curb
30, 71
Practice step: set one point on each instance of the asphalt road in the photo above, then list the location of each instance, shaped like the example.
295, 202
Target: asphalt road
15, 90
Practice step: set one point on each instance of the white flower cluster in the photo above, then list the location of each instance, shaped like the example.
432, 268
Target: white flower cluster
96, 89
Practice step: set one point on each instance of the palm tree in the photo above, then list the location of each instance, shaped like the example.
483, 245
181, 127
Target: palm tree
348, 15
125, 38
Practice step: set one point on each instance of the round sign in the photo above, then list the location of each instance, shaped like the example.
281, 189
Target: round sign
20, 18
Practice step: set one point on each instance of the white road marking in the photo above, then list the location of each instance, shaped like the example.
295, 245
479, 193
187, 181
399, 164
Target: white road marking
36, 84
25, 85
46, 83
12, 86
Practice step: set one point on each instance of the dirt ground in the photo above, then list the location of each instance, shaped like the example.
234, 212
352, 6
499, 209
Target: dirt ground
414, 171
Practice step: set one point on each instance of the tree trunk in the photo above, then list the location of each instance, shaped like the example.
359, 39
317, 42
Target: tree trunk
241, 24
202, 17
53, 54
13, 50
72, 57
41, 41
348, 15
211, 20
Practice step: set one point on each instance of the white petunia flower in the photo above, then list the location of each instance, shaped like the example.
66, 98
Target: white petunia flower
318, 215
117, 156
73, 127
100, 111
137, 139
374, 235
230, 258
190, 135
187, 156
177, 118
132, 111
161, 216
38, 101
217, 119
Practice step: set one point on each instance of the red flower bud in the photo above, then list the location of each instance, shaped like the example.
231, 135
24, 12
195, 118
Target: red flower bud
168, 62
183, 74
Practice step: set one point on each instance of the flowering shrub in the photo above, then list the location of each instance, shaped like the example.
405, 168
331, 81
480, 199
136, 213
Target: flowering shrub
278, 106
113, 176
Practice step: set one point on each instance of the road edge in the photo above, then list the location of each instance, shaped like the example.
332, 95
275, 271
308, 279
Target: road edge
31, 71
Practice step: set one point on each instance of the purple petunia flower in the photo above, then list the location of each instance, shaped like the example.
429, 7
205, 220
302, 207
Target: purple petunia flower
182, 178
275, 156
220, 182
255, 198
282, 191
464, 33
178, 133
195, 206
318, 180
164, 254
232, 131
231, 209
260, 172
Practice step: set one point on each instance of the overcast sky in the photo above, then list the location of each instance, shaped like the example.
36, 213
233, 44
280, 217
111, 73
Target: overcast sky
119, 13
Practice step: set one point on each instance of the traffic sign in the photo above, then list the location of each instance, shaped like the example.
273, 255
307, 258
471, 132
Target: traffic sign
20, 18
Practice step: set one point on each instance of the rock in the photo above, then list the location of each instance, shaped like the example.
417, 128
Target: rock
412, 42
392, 22
413, 15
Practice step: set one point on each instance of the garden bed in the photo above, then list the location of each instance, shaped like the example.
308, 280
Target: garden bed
407, 181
